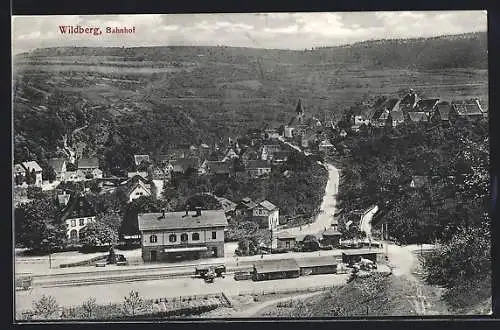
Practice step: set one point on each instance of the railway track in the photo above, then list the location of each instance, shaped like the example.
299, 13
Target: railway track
104, 278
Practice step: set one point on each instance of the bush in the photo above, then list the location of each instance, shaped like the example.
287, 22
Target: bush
45, 307
132, 304
89, 308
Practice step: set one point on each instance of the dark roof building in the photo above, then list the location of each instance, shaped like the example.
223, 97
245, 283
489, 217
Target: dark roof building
88, 163
183, 164
442, 111
256, 164
78, 207
427, 106
218, 167
275, 269
58, 164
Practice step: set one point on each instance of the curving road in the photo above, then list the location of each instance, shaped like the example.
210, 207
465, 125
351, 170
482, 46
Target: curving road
328, 208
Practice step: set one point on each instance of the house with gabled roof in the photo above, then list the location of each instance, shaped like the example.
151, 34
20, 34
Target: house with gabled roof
245, 207
138, 159
59, 166
77, 214
268, 149
216, 167
228, 206
32, 168
467, 109
266, 215
285, 241
19, 174
257, 168
137, 187
441, 112
427, 106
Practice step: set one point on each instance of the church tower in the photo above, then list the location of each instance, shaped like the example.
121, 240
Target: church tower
300, 111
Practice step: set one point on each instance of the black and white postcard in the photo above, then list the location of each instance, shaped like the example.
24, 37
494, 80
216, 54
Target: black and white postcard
256, 165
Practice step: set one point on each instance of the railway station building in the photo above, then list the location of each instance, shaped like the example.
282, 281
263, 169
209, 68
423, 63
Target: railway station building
171, 236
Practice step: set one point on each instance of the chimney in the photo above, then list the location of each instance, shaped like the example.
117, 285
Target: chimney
198, 211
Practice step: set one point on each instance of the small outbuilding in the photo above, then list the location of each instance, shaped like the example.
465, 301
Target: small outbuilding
285, 241
331, 237
352, 256
317, 265
275, 269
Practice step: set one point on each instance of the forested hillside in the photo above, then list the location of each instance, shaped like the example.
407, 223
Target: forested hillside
114, 102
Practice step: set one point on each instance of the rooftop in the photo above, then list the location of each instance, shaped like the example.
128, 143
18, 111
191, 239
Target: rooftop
285, 235
331, 232
78, 207
317, 261
467, 108
358, 252
88, 163
56, 163
179, 220
32, 165
426, 105
252, 164
268, 205
276, 265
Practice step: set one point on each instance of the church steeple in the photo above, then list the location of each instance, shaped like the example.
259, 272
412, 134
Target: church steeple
299, 109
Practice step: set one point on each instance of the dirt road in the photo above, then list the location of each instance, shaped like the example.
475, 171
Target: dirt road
255, 310
328, 207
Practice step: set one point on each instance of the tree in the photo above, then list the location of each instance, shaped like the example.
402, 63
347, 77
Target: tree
37, 226
97, 234
463, 266
144, 204
50, 174
310, 243
89, 308
205, 201
45, 307
132, 303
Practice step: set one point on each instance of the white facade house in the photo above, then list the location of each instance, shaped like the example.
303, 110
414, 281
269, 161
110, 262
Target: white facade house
33, 166
77, 215
266, 214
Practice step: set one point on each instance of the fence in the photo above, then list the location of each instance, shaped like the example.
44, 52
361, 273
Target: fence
286, 291
84, 262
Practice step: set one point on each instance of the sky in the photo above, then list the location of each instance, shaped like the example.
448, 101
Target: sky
259, 30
